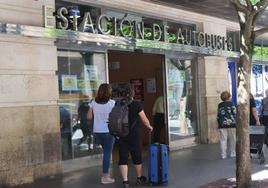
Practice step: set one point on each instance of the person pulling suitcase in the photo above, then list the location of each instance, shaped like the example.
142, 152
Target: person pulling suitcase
131, 142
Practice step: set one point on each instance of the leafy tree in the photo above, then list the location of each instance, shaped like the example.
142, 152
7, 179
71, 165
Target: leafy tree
248, 11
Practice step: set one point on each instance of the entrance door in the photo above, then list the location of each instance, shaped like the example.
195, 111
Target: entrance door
145, 72
181, 100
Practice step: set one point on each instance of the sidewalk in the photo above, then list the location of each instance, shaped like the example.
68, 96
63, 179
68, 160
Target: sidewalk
194, 167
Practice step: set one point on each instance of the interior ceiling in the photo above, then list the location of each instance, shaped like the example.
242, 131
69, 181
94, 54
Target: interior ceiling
216, 8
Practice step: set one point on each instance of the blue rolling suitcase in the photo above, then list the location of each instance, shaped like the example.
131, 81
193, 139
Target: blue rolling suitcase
158, 164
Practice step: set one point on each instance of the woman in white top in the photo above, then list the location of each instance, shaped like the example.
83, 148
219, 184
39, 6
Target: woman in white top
101, 107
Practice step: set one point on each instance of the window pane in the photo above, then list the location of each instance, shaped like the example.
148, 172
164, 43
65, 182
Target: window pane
181, 101
79, 75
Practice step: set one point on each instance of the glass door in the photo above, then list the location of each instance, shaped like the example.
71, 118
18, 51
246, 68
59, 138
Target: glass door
79, 76
181, 99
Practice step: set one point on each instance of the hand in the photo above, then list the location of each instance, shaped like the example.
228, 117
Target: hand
150, 128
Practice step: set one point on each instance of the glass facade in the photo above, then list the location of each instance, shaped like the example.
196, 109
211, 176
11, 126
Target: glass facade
79, 75
181, 101
259, 83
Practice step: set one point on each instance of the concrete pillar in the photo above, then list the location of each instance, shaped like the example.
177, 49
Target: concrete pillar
213, 79
30, 132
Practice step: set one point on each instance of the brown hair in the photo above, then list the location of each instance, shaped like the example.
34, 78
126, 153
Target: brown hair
129, 92
104, 93
225, 95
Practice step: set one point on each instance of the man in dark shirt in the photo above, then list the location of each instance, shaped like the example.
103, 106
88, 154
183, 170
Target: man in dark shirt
65, 129
85, 124
253, 116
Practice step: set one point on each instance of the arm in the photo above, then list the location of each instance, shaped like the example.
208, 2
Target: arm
145, 120
234, 112
90, 114
262, 106
254, 112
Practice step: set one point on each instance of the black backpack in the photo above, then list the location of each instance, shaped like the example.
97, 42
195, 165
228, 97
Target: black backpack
118, 120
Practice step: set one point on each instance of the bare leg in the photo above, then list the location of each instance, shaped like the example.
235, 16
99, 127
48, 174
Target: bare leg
141, 180
138, 169
124, 172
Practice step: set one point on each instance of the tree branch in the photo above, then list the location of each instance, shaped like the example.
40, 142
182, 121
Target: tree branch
260, 31
260, 6
249, 4
239, 6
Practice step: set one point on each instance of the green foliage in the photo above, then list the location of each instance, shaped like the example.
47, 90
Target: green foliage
260, 51
147, 33
126, 30
252, 1
172, 37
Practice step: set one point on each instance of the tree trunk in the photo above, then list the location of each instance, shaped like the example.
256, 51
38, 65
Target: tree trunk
243, 162
247, 11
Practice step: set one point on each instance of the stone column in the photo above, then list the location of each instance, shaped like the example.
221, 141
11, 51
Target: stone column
29, 115
213, 79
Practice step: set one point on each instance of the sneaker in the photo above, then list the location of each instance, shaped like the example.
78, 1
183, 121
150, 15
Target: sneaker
233, 155
126, 184
107, 180
141, 180
223, 156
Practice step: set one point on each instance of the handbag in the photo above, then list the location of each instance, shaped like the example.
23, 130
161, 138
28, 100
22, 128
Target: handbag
78, 134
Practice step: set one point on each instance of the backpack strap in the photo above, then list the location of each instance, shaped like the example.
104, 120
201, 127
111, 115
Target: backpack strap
136, 120
132, 125
124, 101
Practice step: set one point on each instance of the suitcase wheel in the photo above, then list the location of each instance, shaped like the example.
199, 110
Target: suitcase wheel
261, 157
262, 161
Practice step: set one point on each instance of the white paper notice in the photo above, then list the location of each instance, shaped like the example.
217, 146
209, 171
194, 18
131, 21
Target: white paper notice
151, 86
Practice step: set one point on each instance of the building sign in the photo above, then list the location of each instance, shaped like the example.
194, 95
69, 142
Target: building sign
71, 19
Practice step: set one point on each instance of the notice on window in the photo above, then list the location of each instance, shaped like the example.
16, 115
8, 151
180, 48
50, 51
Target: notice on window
91, 72
69, 82
151, 86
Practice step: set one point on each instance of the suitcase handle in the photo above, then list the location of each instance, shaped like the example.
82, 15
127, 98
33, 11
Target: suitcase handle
150, 137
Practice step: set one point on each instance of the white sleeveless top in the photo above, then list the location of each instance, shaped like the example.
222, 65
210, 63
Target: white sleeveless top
101, 113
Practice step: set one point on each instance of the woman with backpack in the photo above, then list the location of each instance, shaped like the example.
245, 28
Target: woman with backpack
132, 142
101, 108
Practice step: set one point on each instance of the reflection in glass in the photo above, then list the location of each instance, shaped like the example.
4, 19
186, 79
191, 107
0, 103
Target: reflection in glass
181, 102
257, 86
79, 75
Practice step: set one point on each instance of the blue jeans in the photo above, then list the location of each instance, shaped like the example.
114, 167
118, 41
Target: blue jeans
107, 142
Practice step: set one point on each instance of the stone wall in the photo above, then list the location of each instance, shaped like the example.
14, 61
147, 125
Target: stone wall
30, 133
213, 79
25, 12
